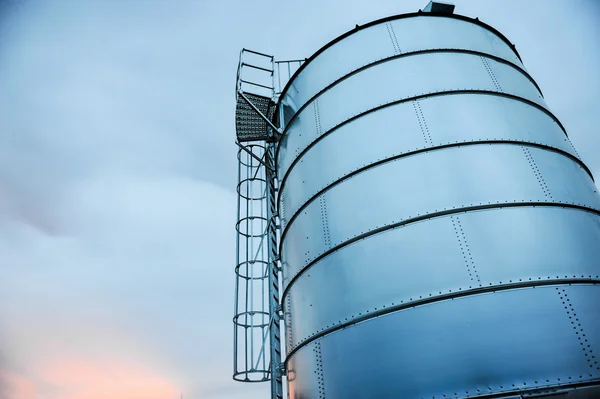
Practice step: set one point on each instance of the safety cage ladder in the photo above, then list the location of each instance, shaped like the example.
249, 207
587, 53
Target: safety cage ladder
257, 313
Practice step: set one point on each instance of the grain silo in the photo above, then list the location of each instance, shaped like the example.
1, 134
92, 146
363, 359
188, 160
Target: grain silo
417, 219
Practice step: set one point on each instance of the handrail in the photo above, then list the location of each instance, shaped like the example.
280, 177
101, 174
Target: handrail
239, 79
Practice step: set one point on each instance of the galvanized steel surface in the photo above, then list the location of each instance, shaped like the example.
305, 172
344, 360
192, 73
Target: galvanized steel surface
440, 234
471, 346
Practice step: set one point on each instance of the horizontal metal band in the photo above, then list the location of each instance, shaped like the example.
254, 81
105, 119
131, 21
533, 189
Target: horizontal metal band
430, 216
403, 55
440, 298
542, 391
443, 93
358, 28
411, 153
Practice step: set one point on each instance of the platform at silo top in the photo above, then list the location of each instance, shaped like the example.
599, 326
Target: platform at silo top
248, 125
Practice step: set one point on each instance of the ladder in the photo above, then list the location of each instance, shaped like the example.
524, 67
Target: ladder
257, 309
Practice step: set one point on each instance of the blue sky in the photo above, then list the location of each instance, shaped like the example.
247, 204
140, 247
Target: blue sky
118, 170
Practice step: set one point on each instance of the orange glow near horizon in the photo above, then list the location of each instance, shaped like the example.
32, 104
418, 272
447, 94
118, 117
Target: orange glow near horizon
18, 386
81, 379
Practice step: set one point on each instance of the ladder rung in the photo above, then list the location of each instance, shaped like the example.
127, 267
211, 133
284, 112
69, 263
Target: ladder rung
257, 67
256, 84
257, 53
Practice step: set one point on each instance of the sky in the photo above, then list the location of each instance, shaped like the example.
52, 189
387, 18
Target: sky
118, 173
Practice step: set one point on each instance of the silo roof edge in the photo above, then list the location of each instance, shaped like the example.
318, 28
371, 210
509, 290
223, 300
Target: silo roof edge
391, 18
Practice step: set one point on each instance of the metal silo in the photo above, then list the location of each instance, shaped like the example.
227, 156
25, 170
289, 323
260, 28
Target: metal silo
436, 234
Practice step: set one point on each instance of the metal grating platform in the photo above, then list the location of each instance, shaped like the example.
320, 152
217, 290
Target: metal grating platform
248, 125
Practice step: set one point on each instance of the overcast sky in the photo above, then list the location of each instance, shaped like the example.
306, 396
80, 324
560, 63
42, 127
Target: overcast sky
117, 175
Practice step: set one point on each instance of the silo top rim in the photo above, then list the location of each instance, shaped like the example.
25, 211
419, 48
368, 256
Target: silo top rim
420, 13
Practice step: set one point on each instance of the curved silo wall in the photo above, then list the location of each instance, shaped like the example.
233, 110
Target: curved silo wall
440, 234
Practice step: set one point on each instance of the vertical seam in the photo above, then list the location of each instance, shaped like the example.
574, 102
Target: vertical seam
395, 38
490, 72
579, 332
319, 370
392, 36
282, 212
317, 116
422, 122
466, 252
536, 172
325, 222
572, 146
288, 320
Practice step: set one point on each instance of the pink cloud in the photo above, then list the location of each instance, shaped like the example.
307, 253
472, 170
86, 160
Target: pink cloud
73, 378
18, 386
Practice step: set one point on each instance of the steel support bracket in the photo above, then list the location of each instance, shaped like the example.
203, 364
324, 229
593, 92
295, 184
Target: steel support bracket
282, 369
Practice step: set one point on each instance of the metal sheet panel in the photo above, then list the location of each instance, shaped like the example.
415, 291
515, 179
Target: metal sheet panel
428, 183
417, 33
443, 255
412, 126
304, 373
579, 302
400, 79
467, 347
389, 39
344, 199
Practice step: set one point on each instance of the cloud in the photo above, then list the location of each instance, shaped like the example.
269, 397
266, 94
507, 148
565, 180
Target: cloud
116, 218
80, 378
16, 386
130, 280
3, 383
